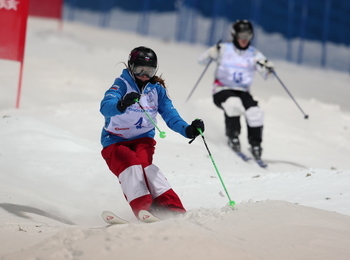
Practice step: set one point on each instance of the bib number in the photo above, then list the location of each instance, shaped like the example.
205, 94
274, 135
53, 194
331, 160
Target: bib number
139, 123
238, 77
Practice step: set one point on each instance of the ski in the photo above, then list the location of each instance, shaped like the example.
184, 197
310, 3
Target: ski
112, 218
144, 215
243, 156
147, 217
240, 154
261, 163
246, 158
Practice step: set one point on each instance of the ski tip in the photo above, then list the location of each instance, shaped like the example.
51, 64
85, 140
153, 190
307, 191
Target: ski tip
111, 218
146, 216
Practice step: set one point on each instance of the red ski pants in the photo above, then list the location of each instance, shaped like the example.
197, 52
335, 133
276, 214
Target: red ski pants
142, 182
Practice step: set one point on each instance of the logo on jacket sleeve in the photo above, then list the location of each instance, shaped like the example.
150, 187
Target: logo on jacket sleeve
115, 87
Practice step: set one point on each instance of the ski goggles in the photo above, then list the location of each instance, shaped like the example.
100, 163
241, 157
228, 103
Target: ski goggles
245, 35
140, 71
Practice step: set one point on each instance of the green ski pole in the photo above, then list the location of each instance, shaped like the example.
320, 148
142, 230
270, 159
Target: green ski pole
231, 203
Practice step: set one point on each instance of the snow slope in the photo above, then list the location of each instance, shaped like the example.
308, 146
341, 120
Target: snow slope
54, 184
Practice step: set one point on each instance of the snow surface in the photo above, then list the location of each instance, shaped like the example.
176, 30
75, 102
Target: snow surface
54, 184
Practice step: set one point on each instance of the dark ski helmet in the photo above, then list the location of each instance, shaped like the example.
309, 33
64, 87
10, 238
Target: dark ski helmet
142, 56
242, 29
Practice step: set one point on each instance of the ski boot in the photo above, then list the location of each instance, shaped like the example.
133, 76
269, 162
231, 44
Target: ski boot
256, 152
234, 144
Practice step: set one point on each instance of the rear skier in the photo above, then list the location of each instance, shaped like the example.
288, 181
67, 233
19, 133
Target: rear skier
237, 62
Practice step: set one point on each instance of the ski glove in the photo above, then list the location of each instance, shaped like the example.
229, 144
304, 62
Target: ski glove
266, 64
192, 131
128, 100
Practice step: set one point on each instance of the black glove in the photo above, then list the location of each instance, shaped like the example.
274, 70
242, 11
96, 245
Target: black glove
268, 65
128, 100
192, 131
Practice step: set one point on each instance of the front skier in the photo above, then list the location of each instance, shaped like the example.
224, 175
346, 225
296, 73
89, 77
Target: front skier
128, 134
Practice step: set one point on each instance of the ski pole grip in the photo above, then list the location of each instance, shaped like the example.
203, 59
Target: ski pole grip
198, 129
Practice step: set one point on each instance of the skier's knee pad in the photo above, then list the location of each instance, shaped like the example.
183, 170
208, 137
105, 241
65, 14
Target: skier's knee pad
233, 106
254, 116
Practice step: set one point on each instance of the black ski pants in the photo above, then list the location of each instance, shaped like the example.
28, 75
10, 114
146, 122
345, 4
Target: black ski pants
233, 124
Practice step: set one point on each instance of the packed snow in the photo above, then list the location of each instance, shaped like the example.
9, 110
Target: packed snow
54, 183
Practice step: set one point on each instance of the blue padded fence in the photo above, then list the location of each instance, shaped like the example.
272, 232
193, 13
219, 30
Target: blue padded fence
311, 32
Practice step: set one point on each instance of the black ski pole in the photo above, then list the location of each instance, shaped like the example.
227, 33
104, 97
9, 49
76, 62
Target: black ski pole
201, 76
199, 79
280, 81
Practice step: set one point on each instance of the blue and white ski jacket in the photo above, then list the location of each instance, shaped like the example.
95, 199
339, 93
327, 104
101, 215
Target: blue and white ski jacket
236, 68
134, 123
